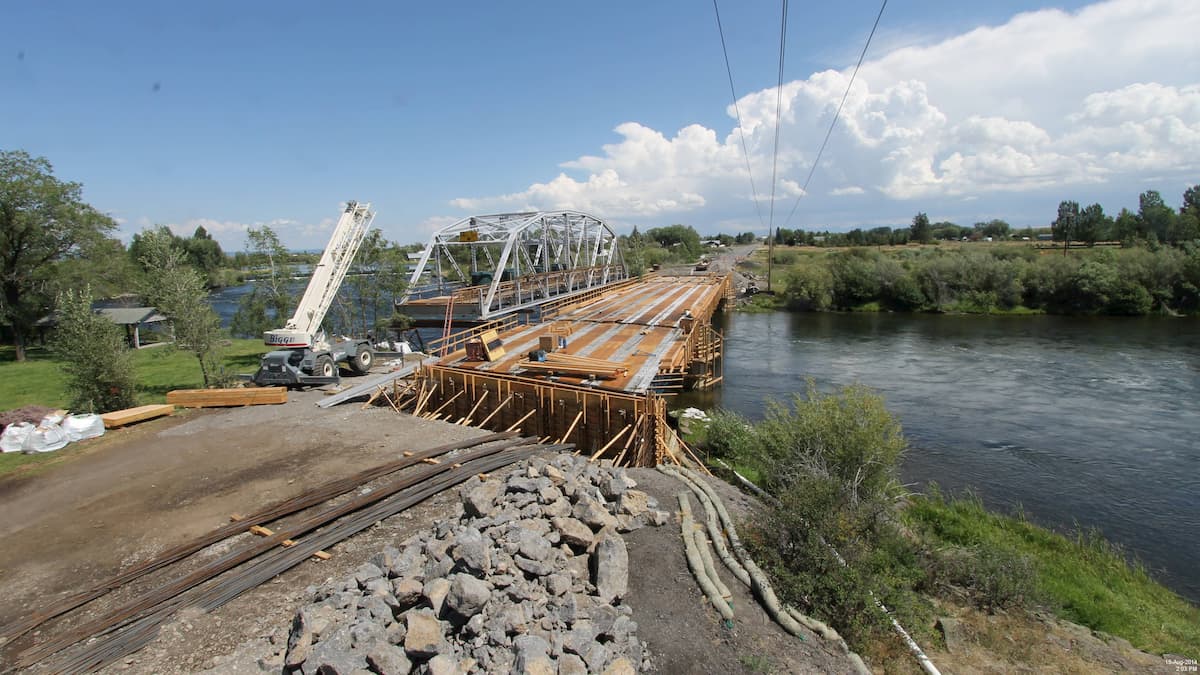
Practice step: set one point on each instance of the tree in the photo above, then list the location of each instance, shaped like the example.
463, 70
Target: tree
993, 228
177, 290
92, 350
920, 229
1093, 225
1066, 225
1126, 226
746, 238
42, 221
269, 301
365, 302
1155, 216
681, 238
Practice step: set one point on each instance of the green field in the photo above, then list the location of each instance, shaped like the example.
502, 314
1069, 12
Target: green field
40, 380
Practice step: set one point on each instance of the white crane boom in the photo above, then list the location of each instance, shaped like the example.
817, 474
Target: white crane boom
326, 279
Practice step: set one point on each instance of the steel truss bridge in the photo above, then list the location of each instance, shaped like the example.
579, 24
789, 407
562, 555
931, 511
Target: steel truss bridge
483, 267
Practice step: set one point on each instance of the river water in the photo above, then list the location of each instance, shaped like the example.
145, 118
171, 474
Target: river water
1088, 421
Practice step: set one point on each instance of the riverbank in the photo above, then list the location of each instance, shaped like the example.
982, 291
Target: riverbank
842, 529
983, 278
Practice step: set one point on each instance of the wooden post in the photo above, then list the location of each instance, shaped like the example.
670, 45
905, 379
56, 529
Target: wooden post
467, 420
518, 423
572, 427
610, 442
449, 401
493, 413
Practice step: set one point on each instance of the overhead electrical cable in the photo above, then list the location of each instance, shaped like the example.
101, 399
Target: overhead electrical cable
775, 152
738, 113
836, 115
778, 108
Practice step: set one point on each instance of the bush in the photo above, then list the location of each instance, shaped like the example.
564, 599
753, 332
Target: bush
809, 289
98, 366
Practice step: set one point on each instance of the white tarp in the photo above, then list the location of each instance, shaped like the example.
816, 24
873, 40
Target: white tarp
79, 427
52, 434
14, 437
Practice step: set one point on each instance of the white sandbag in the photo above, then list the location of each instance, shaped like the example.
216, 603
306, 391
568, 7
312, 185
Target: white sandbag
46, 439
51, 420
79, 427
14, 437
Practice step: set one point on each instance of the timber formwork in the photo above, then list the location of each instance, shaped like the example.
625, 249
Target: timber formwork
658, 328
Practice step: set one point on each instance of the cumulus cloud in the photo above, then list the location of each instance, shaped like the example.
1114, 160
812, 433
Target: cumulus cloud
1109, 94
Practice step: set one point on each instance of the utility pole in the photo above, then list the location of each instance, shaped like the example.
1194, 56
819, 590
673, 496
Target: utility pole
770, 255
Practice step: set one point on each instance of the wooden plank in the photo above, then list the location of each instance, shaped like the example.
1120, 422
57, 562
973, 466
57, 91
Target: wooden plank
218, 398
286, 543
120, 418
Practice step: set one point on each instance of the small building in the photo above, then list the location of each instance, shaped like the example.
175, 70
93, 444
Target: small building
132, 319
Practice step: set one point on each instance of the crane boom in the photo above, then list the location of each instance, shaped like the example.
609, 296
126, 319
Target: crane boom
327, 278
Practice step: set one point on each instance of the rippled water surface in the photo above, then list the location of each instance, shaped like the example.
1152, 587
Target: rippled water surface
1080, 420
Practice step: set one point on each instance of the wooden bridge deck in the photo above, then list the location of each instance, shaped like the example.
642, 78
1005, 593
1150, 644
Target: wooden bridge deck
643, 325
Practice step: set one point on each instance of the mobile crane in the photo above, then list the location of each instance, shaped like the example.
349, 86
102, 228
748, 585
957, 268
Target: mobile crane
302, 354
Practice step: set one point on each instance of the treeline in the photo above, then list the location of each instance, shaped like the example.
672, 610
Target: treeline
1153, 222
1127, 281
671, 244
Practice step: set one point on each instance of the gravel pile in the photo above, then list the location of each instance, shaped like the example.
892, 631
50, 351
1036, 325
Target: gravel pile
530, 578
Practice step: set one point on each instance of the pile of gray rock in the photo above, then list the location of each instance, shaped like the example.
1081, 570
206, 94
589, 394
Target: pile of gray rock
531, 577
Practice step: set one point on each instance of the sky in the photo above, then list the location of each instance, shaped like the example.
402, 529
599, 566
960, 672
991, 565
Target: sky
232, 115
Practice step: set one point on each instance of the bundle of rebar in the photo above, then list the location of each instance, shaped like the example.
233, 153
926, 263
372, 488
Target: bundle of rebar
127, 628
300, 502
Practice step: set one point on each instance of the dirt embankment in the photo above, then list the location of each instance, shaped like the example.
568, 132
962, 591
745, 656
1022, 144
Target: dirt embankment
133, 493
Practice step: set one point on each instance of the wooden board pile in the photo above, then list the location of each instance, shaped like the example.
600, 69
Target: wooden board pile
580, 366
219, 398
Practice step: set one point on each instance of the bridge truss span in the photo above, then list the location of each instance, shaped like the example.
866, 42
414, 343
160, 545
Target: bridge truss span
483, 267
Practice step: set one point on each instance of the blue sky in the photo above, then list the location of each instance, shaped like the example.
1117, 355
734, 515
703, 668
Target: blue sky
236, 114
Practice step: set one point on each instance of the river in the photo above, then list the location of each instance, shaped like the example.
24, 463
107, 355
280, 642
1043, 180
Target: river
1088, 421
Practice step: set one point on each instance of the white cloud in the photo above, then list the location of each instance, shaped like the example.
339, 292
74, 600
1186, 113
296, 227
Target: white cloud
848, 190
1105, 96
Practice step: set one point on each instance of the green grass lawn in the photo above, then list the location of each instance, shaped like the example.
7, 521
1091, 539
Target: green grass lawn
40, 380
1088, 579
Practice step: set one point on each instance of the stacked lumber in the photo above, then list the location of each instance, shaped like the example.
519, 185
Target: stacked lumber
120, 418
219, 398
569, 364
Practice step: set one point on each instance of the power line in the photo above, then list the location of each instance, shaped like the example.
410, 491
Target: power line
738, 113
836, 115
775, 152
778, 107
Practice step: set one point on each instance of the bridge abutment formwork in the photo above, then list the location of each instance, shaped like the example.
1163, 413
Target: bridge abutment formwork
595, 371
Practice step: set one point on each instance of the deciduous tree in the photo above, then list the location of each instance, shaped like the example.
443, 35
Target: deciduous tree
1065, 227
920, 229
93, 354
177, 290
42, 220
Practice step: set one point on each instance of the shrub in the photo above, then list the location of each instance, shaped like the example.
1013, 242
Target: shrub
98, 366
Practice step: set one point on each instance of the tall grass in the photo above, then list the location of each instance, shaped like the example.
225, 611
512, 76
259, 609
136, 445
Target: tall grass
1084, 577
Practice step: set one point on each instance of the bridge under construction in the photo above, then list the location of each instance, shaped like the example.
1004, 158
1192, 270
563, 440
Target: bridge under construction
578, 353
